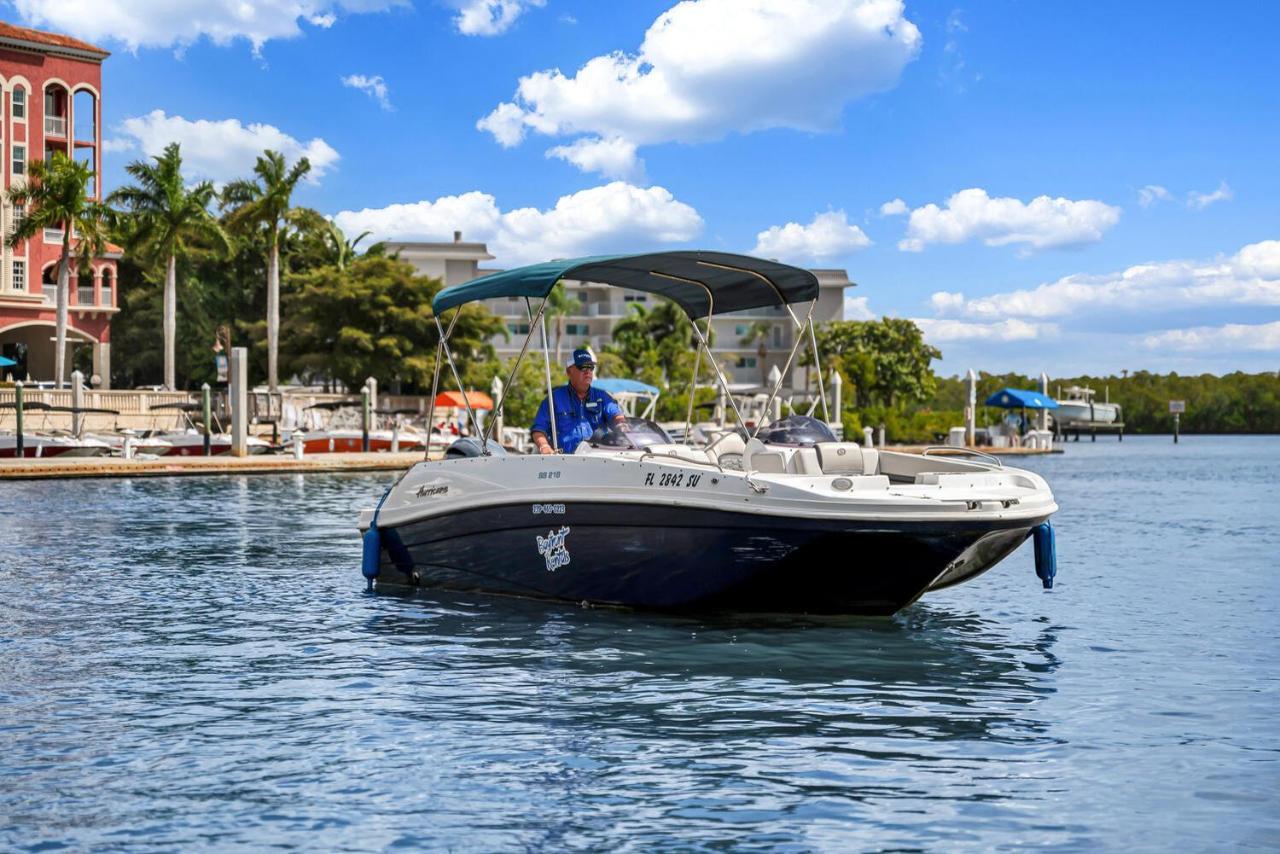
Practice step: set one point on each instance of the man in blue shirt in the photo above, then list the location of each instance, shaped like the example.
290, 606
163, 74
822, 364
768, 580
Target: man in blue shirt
579, 408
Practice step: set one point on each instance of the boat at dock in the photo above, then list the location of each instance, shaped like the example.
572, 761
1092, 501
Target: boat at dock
786, 519
334, 427
1076, 405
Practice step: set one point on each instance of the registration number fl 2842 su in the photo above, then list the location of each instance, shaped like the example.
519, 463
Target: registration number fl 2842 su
689, 481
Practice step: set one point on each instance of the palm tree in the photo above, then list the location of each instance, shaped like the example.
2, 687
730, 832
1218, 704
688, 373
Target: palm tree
759, 334
321, 241
168, 219
343, 250
559, 306
264, 203
56, 196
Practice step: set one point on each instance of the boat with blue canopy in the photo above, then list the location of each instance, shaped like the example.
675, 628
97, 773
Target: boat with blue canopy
776, 515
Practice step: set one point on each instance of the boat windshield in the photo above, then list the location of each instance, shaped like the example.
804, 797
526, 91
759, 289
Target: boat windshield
632, 434
798, 430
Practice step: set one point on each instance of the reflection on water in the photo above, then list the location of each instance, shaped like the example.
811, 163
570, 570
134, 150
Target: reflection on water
194, 662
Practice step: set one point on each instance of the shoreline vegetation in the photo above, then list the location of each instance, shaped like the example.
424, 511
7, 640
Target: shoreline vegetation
205, 270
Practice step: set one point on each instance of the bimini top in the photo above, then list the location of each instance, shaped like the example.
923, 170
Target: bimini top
701, 283
1015, 398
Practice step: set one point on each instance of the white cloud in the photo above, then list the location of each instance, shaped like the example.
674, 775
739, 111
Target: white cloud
110, 145
224, 150
707, 68
612, 158
828, 236
1042, 223
1250, 277
375, 87
609, 218
1200, 201
1151, 194
1232, 337
897, 207
490, 17
856, 308
941, 331
177, 23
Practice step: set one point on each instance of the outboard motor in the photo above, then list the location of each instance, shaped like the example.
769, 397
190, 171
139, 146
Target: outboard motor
469, 447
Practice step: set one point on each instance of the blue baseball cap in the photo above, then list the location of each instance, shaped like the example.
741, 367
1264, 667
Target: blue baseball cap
583, 357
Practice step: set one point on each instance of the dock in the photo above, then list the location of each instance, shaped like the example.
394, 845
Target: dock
31, 468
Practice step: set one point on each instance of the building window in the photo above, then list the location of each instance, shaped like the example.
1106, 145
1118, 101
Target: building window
518, 328
84, 290
19, 214
741, 329
19, 104
19, 275
746, 361
576, 329
19, 160
107, 277
635, 298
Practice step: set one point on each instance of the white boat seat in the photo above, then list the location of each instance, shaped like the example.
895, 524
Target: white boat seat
728, 443
757, 456
839, 457
805, 461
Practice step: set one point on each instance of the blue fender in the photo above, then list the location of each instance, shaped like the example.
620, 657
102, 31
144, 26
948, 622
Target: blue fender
1046, 554
372, 553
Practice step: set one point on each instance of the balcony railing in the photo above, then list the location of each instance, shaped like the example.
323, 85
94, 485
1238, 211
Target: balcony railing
55, 125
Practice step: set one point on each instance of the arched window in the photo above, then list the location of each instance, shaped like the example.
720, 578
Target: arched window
86, 116
49, 280
18, 100
108, 280
84, 289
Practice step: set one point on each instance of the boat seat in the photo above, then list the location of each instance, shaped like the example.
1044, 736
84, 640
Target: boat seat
839, 457
759, 457
727, 444
804, 461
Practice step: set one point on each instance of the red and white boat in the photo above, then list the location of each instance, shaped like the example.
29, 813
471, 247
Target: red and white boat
49, 443
188, 441
335, 428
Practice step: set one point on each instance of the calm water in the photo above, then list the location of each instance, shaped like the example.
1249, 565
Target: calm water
193, 662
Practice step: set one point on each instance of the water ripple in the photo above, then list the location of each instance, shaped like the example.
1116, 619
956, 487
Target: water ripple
193, 662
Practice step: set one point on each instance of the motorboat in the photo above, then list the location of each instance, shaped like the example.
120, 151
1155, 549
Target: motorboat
1076, 404
45, 442
786, 519
187, 440
338, 429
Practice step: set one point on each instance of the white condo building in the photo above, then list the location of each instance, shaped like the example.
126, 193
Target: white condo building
602, 306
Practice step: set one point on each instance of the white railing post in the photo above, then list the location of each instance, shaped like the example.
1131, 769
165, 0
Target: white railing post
77, 402
238, 392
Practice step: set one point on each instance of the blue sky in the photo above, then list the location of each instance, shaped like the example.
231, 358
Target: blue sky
1043, 186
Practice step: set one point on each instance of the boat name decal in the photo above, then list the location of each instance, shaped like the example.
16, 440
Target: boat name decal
672, 479
548, 509
545, 475
427, 491
554, 548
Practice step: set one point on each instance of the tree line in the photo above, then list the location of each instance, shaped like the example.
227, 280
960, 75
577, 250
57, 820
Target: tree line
249, 268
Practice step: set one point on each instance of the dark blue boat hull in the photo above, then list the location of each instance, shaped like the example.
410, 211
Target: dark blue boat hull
667, 557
